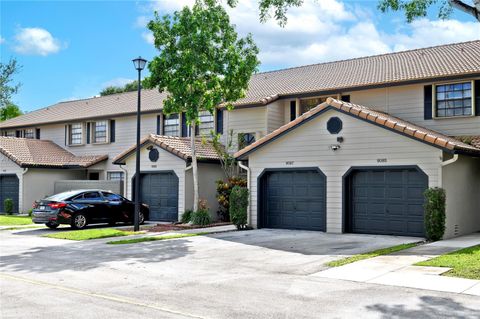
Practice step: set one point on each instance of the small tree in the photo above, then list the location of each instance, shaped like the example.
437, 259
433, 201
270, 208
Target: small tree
201, 64
9, 112
239, 207
434, 213
227, 161
8, 206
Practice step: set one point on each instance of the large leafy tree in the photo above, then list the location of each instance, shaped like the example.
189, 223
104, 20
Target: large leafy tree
202, 63
129, 87
412, 8
9, 111
8, 89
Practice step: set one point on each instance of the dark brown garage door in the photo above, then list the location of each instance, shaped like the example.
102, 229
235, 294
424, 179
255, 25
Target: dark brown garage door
293, 199
387, 201
9, 189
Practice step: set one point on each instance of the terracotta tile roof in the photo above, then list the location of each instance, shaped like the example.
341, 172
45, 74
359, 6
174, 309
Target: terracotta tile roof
179, 146
42, 153
382, 119
422, 64
473, 140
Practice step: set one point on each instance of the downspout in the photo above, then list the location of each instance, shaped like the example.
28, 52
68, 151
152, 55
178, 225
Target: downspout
25, 171
125, 180
246, 168
443, 164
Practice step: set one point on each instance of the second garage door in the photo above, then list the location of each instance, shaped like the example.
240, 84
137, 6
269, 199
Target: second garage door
386, 201
9, 189
160, 192
294, 199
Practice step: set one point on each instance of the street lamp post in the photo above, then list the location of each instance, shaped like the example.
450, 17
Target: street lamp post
139, 64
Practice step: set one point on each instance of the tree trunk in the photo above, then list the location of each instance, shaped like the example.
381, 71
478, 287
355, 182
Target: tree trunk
194, 167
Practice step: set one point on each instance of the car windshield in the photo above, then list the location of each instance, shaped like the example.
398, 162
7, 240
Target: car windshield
62, 196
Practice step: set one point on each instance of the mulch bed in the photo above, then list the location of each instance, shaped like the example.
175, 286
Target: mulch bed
168, 227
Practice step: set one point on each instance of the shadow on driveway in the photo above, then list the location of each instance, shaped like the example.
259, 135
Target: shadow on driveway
429, 307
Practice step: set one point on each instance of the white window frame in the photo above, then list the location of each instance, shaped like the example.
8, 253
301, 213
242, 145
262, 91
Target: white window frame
82, 134
29, 133
93, 132
10, 133
434, 99
310, 98
116, 172
178, 125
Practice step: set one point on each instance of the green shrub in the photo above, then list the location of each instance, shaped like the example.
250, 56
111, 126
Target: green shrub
187, 216
8, 206
238, 206
224, 188
30, 212
434, 213
201, 217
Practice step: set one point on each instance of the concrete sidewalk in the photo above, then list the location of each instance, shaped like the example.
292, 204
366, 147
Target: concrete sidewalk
397, 270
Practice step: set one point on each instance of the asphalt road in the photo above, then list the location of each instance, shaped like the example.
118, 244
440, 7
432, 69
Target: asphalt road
255, 274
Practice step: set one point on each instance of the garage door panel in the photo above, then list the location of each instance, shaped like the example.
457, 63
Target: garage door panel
160, 192
9, 188
294, 200
387, 201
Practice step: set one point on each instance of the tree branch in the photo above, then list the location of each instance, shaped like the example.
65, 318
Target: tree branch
474, 11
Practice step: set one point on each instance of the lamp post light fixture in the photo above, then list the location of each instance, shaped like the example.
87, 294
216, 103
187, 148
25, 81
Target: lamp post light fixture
139, 64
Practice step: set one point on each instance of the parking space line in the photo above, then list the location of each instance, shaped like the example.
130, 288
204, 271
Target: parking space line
96, 295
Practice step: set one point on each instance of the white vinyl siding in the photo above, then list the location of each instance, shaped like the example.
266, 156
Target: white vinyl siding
364, 144
246, 120
275, 115
406, 102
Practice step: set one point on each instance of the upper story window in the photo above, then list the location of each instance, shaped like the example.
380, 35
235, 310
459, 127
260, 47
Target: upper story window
207, 123
453, 99
9, 133
171, 125
29, 133
308, 104
100, 132
245, 139
75, 134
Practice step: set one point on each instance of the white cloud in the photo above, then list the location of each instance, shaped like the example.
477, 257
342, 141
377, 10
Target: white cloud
2, 40
148, 37
117, 82
36, 41
329, 30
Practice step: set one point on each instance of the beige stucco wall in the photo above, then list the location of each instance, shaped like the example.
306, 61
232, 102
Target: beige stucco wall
461, 181
39, 183
364, 144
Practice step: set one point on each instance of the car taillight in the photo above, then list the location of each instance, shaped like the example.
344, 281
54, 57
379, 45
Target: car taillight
57, 205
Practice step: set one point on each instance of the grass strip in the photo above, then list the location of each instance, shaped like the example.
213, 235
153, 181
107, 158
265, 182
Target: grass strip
465, 263
15, 220
371, 254
88, 234
153, 238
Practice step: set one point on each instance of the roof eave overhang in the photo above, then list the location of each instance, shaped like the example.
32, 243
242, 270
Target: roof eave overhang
329, 107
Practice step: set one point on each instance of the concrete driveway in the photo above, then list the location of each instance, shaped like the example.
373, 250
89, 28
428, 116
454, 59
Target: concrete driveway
251, 274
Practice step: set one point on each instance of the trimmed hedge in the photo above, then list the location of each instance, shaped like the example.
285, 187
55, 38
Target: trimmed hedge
238, 206
8, 206
201, 217
434, 213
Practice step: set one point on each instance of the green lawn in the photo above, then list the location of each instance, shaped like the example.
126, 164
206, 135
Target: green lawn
154, 238
15, 220
465, 263
375, 253
87, 234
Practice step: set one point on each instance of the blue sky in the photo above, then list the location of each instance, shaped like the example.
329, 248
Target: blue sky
73, 49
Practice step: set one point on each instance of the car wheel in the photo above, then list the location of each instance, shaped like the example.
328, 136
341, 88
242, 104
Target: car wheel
51, 225
79, 221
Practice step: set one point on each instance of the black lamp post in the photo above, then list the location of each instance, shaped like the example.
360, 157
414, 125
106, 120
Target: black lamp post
139, 64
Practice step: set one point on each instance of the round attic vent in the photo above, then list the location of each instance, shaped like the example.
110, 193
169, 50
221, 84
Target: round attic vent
153, 155
334, 125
